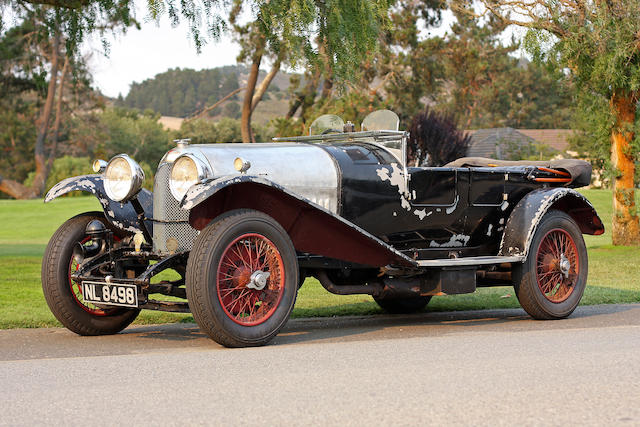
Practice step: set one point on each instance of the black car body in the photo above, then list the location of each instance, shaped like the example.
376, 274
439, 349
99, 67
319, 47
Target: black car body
244, 224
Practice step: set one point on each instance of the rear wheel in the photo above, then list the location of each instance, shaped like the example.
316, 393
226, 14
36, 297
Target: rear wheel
550, 283
64, 295
403, 305
242, 278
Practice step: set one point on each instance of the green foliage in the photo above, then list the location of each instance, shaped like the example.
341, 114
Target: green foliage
75, 19
203, 131
410, 60
21, 80
149, 173
595, 121
118, 130
17, 136
598, 44
490, 88
182, 92
232, 110
347, 30
535, 151
65, 167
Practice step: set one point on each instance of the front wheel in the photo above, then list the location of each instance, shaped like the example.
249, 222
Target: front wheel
551, 281
242, 278
64, 295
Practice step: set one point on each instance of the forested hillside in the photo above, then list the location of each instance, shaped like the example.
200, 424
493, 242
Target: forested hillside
182, 92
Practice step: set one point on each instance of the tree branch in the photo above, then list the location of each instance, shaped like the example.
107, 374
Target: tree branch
211, 107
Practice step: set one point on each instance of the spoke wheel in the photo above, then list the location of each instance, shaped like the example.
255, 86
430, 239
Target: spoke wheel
557, 265
64, 295
242, 278
550, 282
247, 260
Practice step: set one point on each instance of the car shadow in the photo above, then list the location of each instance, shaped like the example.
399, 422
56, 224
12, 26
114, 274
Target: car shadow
426, 324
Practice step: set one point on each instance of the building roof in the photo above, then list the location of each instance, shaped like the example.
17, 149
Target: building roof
554, 138
488, 142
491, 142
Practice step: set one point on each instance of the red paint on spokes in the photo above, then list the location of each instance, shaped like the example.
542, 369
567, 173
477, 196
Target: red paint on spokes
557, 246
244, 256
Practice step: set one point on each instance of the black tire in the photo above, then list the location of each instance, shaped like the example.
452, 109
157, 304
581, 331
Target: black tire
403, 305
58, 287
544, 288
214, 303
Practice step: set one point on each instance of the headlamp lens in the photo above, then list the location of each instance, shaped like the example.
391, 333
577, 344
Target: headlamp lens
122, 178
183, 175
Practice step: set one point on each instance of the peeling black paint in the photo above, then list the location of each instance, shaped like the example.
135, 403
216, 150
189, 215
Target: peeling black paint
120, 215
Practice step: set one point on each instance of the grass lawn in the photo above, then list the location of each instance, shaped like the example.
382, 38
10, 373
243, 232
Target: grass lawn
25, 227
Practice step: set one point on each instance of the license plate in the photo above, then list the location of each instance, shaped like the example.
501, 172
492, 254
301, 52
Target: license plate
120, 294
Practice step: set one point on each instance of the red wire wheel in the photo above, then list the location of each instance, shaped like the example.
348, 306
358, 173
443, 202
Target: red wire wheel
64, 296
250, 279
557, 265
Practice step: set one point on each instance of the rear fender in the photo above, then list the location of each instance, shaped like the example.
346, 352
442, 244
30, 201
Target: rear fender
120, 215
527, 214
312, 228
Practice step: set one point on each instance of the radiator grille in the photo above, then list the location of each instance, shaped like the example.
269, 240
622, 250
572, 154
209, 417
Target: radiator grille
166, 208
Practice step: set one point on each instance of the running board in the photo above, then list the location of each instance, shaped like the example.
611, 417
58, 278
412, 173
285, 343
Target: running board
472, 260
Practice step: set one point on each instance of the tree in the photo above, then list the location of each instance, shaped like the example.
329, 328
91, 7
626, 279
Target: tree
103, 134
202, 131
598, 42
435, 138
487, 87
409, 65
402, 74
48, 37
334, 34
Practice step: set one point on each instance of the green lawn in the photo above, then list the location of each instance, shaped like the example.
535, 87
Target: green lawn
25, 227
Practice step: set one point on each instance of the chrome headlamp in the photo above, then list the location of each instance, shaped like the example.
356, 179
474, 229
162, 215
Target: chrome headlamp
186, 171
123, 178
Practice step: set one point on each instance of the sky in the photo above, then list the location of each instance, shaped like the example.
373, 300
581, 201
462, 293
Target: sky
141, 54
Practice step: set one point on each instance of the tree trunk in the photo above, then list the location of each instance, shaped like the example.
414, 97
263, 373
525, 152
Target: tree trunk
16, 189
254, 71
264, 85
56, 124
625, 229
42, 123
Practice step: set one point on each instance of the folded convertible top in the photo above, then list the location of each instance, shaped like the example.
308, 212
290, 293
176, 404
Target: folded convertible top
579, 170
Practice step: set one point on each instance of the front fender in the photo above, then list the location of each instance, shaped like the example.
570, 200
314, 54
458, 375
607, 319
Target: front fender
121, 215
311, 227
527, 214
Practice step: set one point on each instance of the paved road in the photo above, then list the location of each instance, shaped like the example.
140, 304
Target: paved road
471, 368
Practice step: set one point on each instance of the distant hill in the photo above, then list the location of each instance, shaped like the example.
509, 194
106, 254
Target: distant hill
182, 92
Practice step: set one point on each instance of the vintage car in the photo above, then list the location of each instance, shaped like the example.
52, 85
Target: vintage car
242, 226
